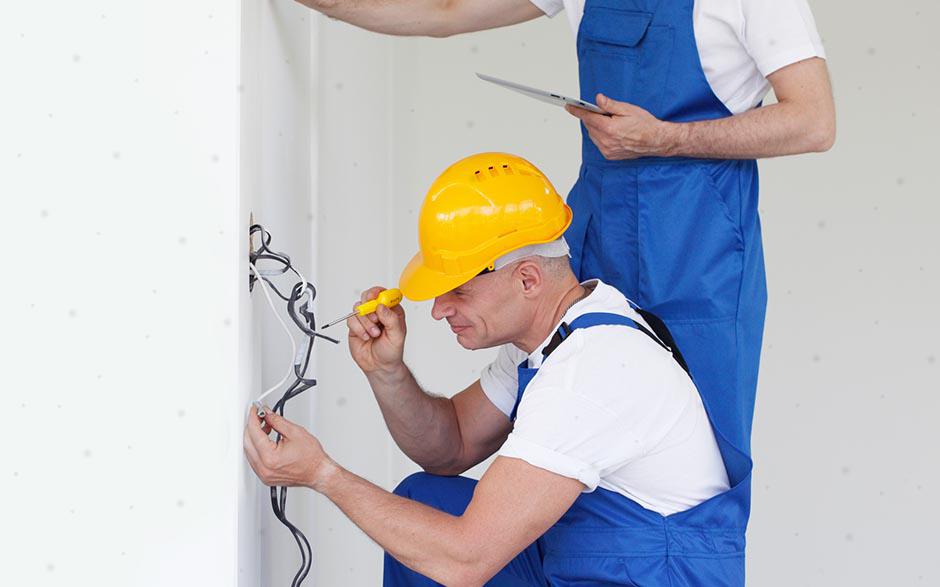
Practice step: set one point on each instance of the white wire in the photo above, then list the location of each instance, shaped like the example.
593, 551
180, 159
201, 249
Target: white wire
293, 345
303, 288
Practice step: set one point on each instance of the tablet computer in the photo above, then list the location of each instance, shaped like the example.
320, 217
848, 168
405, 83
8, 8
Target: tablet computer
542, 95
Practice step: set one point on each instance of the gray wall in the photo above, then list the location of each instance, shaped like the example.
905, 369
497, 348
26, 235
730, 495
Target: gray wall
847, 396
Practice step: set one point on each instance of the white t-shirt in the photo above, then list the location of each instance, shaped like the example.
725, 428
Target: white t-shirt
740, 42
612, 409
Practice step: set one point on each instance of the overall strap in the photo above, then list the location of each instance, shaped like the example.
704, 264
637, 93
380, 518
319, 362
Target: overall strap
662, 337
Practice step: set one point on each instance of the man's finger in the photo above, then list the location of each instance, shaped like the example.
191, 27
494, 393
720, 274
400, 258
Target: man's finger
356, 328
370, 294
576, 112
250, 451
592, 119
256, 435
369, 324
389, 319
282, 425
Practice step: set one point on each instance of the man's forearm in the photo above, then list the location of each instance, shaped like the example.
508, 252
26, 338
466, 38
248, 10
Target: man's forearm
802, 121
424, 539
393, 17
425, 427
433, 18
771, 131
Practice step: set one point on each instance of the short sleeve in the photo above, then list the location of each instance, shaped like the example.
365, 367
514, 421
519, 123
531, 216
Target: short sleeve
548, 434
500, 379
597, 406
549, 7
778, 33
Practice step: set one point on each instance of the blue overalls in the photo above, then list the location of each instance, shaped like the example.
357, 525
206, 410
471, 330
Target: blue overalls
606, 538
679, 236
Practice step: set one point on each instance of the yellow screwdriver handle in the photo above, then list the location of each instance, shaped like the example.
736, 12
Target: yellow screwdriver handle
388, 298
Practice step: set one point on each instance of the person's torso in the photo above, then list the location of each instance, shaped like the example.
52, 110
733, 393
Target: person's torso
731, 58
667, 460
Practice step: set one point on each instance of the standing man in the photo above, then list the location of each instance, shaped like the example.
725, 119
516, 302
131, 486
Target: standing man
665, 206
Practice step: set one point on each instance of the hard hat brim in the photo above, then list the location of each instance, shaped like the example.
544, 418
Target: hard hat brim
419, 283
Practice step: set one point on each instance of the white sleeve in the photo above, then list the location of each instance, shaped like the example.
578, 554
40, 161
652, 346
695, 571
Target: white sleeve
500, 379
779, 32
549, 434
549, 7
597, 409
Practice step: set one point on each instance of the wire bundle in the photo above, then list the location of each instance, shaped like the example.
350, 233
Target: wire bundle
303, 318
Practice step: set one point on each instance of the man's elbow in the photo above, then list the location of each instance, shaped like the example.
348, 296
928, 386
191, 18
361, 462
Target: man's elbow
470, 574
821, 127
823, 136
472, 563
450, 468
441, 471
324, 6
445, 14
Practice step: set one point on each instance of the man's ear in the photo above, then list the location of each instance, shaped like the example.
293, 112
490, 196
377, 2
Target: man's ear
529, 274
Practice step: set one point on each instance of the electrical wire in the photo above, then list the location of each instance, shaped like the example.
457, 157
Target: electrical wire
304, 319
293, 343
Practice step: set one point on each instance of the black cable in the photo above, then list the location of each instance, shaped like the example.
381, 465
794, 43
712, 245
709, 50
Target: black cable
304, 319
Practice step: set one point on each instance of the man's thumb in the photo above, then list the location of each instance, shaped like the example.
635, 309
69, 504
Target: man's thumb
611, 105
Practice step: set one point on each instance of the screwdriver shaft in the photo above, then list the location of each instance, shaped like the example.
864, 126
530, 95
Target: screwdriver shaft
338, 320
388, 298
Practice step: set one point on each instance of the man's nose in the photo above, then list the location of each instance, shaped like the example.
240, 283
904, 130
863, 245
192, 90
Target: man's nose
442, 307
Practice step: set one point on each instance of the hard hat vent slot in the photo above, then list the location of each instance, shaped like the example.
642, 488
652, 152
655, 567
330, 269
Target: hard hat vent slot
497, 170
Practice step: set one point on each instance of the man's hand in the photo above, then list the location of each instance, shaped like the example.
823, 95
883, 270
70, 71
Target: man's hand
297, 460
629, 132
377, 340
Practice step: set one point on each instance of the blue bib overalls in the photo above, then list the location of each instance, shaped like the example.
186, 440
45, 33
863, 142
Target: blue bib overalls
606, 538
680, 237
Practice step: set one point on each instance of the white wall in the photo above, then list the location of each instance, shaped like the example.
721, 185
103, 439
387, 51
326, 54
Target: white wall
119, 161
134, 146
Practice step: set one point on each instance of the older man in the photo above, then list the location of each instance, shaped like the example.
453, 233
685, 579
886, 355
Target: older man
608, 468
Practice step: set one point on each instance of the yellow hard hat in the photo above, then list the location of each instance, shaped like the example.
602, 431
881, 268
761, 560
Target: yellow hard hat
477, 210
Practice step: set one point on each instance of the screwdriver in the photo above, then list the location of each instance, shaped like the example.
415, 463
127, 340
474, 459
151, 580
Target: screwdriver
387, 297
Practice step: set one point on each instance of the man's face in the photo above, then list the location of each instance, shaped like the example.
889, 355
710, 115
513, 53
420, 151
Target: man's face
484, 312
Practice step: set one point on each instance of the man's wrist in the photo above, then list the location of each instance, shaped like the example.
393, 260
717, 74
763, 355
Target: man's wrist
672, 138
324, 474
389, 378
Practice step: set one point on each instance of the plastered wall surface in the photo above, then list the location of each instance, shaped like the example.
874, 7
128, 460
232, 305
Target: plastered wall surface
135, 146
120, 310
